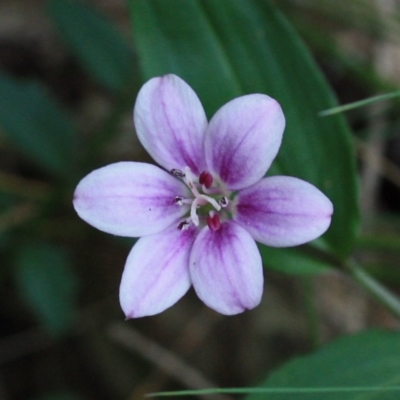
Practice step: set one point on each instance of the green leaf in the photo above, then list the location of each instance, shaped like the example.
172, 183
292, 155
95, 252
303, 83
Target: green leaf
361, 103
37, 125
94, 40
47, 284
292, 261
368, 359
228, 48
292, 391
177, 37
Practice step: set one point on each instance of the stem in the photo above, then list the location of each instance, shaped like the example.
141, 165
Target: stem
375, 288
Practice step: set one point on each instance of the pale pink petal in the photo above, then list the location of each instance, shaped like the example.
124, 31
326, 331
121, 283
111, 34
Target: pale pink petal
170, 123
243, 138
129, 199
156, 273
226, 269
283, 211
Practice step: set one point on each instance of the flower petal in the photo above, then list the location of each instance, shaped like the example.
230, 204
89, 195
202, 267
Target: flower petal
243, 138
129, 199
282, 211
170, 123
226, 269
156, 273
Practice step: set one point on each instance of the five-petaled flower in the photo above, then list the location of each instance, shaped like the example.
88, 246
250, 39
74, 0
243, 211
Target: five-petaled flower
199, 217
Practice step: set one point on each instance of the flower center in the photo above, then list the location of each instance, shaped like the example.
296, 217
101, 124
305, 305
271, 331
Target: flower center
207, 203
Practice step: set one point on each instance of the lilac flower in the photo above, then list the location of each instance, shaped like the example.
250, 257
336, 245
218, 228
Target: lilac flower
199, 217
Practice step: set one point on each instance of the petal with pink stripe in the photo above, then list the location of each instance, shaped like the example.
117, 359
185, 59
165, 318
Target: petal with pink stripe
243, 138
282, 211
226, 269
156, 273
171, 123
129, 199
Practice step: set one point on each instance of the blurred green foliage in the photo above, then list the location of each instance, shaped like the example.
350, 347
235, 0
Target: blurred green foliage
43, 130
101, 49
48, 284
223, 49
38, 125
365, 360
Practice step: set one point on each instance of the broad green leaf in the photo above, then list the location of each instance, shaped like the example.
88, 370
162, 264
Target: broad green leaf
292, 261
176, 36
34, 121
47, 284
368, 359
228, 48
94, 40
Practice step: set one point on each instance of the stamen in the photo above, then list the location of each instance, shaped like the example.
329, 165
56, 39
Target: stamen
223, 201
200, 199
214, 222
193, 215
211, 190
206, 179
189, 181
210, 200
178, 200
177, 173
183, 225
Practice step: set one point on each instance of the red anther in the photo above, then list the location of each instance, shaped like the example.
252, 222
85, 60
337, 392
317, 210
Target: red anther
214, 223
206, 179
